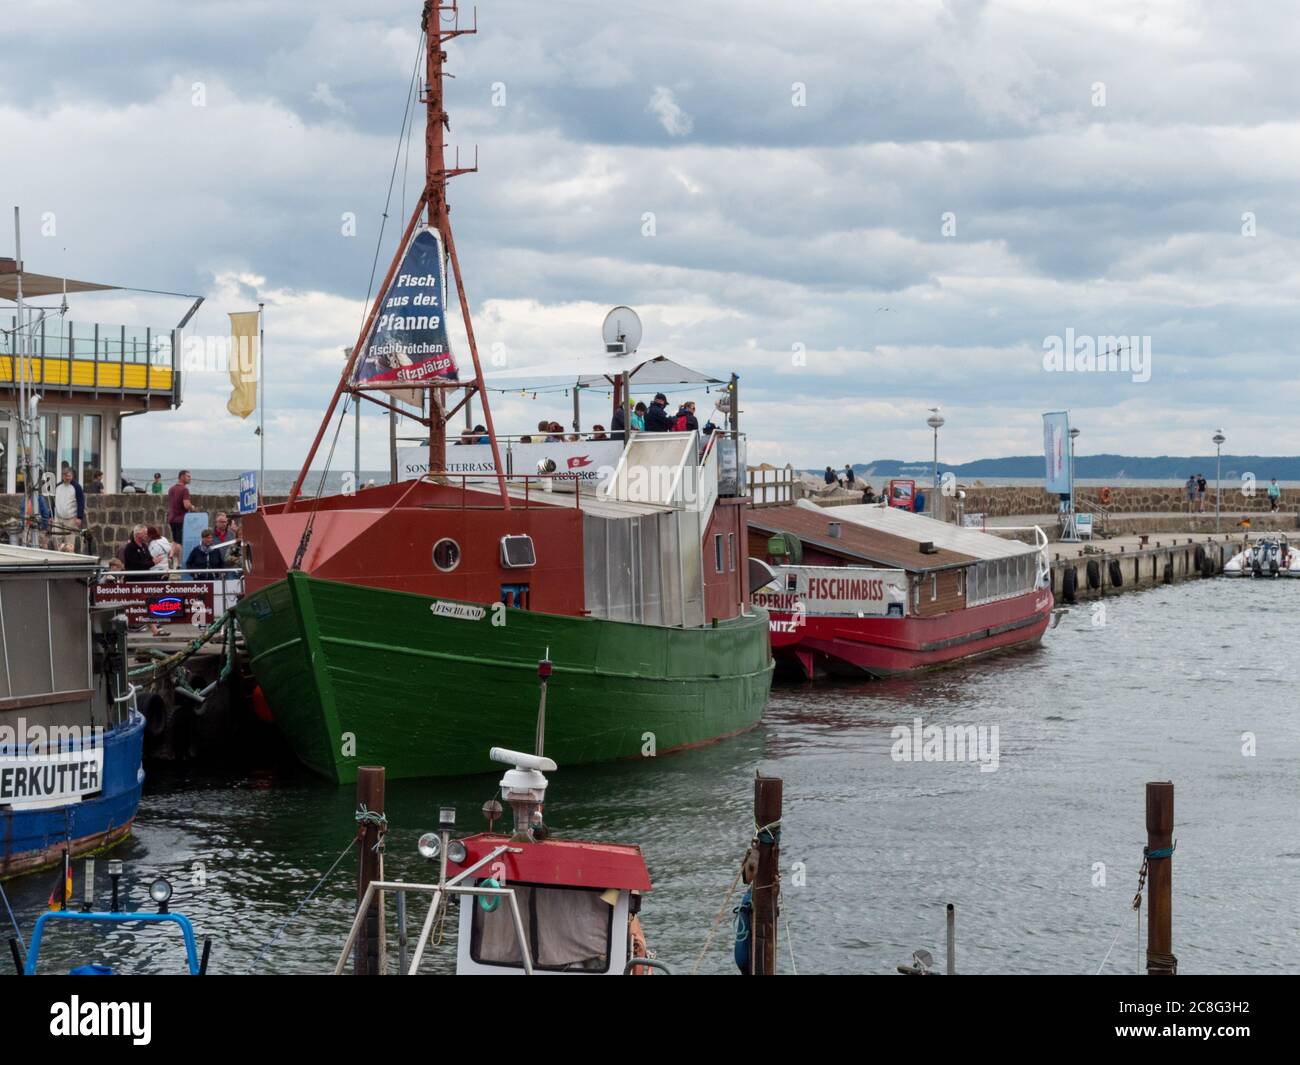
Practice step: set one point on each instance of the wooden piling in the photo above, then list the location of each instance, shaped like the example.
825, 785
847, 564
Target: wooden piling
367, 959
1160, 841
766, 885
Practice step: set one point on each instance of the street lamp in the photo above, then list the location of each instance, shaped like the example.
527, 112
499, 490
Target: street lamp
1070, 534
1218, 439
935, 422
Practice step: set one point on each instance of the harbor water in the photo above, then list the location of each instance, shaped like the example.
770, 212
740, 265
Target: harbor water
1040, 856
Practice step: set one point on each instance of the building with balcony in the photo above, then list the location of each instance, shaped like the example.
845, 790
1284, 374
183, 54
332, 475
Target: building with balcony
90, 376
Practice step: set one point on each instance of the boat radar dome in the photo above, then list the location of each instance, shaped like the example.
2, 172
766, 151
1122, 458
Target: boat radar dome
523, 787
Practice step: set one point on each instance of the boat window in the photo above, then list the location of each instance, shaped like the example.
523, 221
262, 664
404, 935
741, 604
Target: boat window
934, 587
731, 552
568, 930
717, 553
446, 555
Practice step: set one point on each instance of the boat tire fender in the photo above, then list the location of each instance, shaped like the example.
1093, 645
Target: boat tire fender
1200, 558
1116, 574
1169, 573
1070, 585
1094, 574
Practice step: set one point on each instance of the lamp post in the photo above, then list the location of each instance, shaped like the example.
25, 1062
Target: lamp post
1218, 439
935, 422
1071, 531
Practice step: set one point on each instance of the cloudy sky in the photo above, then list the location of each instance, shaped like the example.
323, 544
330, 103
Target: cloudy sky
864, 209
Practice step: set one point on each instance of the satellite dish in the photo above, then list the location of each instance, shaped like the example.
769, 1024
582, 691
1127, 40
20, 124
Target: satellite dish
622, 331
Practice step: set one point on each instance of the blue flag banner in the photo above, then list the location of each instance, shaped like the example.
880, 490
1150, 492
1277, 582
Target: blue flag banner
1056, 450
407, 344
247, 493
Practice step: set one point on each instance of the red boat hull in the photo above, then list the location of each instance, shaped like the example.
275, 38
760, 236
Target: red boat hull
887, 646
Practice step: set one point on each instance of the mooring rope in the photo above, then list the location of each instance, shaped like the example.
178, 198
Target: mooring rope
717, 921
293, 916
177, 657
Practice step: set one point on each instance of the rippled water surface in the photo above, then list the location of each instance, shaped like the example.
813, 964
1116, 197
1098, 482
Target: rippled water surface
1165, 688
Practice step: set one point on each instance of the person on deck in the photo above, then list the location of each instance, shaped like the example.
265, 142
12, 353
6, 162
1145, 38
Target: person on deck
135, 555
638, 418
221, 531
205, 556
656, 415
685, 421
869, 494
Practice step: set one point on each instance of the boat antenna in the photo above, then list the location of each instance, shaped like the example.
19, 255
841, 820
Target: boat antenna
431, 207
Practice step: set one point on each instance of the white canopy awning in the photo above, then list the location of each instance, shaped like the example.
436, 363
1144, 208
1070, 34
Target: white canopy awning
604, 369
35, 285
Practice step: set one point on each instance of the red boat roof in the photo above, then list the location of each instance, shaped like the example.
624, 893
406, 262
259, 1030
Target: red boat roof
855, 542
570, 863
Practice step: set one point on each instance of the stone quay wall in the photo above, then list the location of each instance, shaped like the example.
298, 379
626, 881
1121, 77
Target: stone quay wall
110, 518
1004, 501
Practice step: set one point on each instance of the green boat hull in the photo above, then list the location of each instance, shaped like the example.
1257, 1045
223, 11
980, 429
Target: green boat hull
366, 676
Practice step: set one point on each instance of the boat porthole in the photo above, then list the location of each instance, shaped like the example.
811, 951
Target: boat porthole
446, 555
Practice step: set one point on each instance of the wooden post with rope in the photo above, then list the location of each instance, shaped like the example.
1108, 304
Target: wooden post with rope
1159, 856
767, 881
368, 958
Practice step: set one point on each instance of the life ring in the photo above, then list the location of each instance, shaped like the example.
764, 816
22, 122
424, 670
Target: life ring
488, 903
1104, 497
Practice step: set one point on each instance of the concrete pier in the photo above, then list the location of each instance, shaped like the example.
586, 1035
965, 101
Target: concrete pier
1161, 559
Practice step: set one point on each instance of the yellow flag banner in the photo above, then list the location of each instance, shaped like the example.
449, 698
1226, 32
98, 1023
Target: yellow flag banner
243, 363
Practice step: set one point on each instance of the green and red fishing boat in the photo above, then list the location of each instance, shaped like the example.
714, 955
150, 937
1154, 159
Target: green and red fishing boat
403, 624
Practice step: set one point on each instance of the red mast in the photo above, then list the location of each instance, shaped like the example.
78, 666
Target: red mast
433, 204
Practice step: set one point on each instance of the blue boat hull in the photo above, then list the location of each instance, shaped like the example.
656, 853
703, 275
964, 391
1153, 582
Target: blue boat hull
35, 839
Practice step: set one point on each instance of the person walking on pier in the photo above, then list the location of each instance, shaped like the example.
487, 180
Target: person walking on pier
69, 510
1274, 496
1201, 486
1190, 487
179, 504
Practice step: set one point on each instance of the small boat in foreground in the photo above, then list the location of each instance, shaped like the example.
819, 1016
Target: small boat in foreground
529, 904
878, 590
1269, 556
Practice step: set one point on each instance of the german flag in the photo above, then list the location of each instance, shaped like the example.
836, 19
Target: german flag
60, 896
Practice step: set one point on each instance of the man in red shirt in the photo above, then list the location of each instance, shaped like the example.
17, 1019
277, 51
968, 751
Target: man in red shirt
178, 505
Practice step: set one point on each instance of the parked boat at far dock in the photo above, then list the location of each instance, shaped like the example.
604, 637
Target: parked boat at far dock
1269, 556
879, 590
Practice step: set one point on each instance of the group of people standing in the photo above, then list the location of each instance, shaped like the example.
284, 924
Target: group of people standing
656, 419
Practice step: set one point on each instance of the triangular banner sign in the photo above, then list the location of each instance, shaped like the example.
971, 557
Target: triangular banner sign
407, 344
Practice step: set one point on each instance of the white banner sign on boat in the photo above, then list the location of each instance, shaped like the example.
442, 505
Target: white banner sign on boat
589, 461
839, 591
50, 780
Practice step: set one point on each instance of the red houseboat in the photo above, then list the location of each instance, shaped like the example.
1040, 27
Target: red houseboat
878, 590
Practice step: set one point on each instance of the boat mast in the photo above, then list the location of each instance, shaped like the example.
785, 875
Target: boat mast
433, 205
